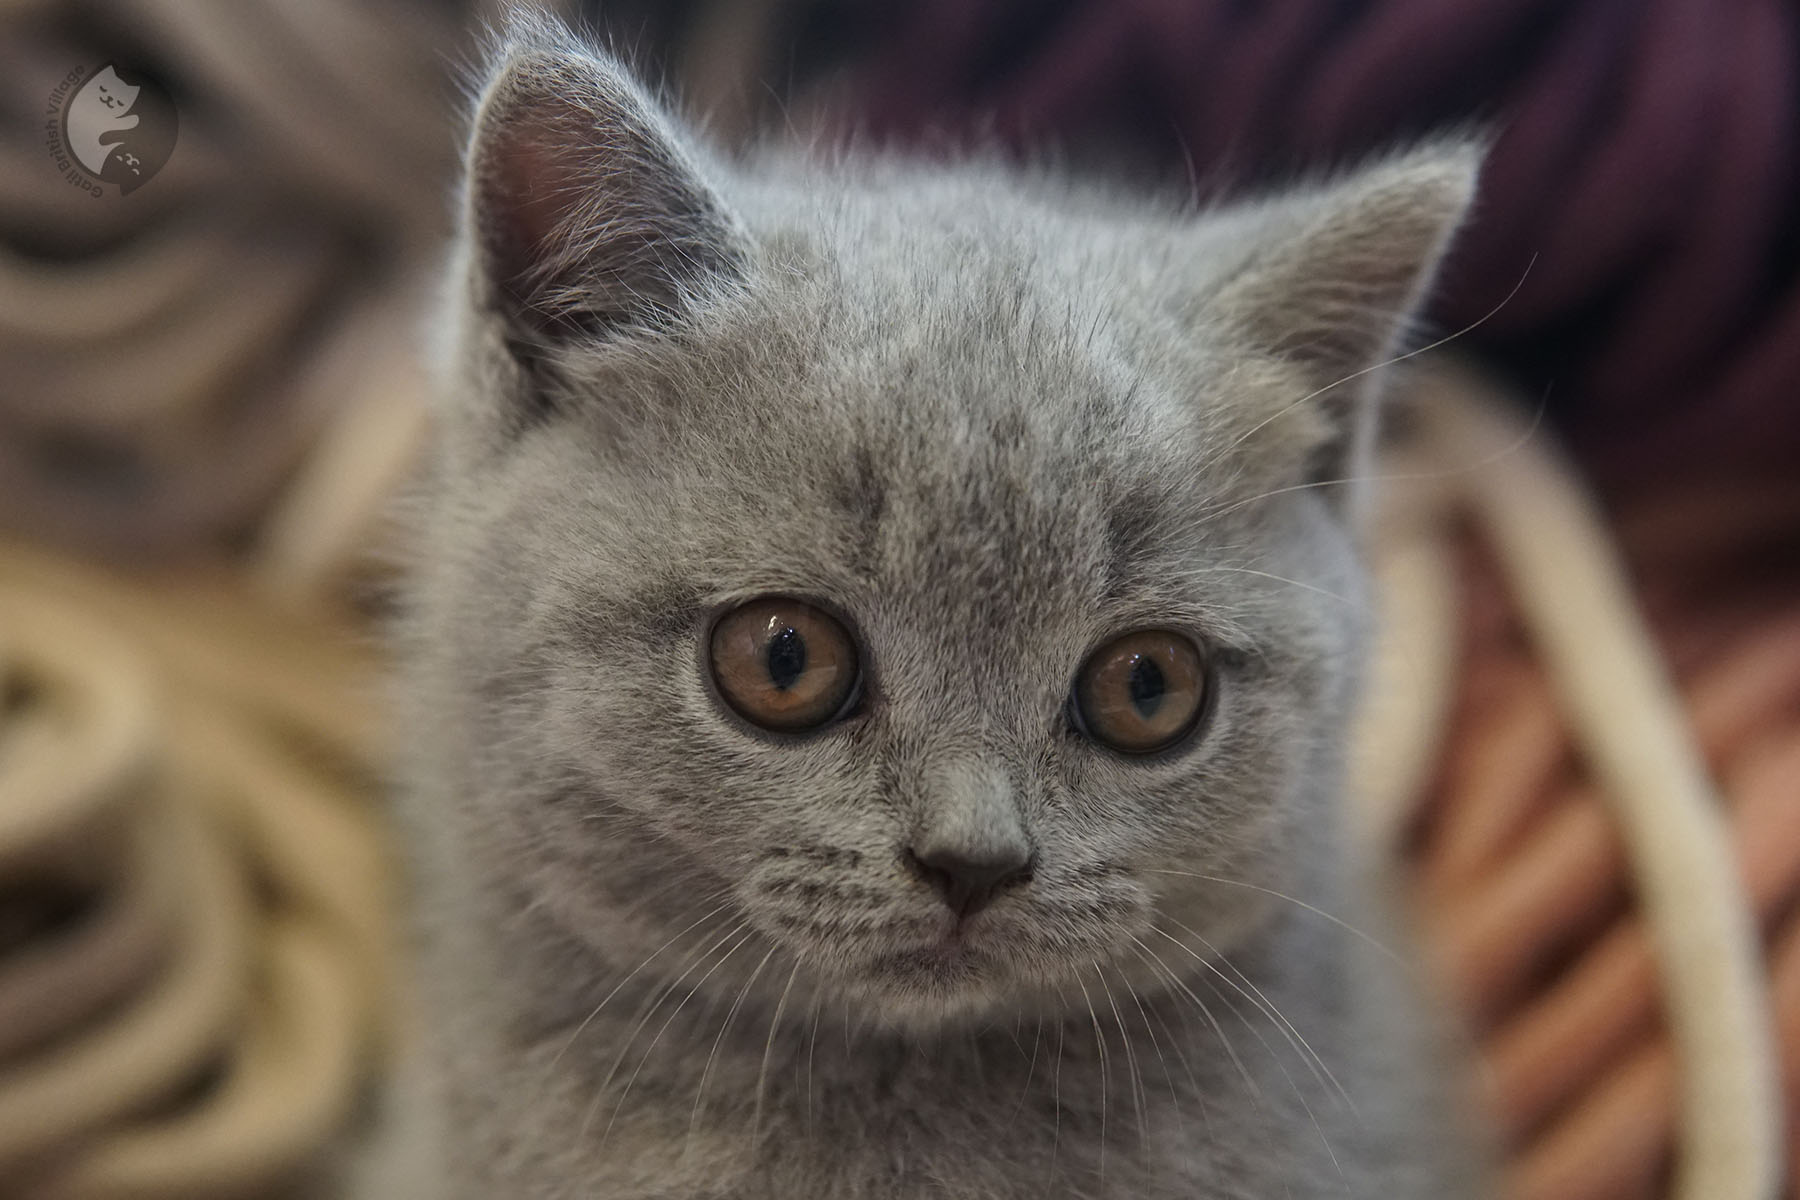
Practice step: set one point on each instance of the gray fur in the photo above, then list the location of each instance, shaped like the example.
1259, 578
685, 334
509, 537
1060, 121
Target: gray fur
990, 421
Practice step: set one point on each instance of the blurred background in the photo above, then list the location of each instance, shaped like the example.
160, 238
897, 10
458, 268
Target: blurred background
210, 387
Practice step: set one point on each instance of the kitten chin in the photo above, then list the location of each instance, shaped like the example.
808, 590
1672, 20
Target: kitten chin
879, 654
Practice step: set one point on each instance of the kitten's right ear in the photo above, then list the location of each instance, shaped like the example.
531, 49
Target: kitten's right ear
1326, 281
587, 215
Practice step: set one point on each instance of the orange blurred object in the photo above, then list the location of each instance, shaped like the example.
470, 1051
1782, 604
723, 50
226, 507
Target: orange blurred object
1523, 880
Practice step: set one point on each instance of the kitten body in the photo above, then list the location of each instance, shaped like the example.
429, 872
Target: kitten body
988, 423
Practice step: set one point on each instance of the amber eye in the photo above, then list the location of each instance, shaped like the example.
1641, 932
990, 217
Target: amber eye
1142, 692
784, 665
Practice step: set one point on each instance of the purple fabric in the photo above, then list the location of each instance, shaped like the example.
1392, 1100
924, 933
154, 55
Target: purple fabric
1642, 183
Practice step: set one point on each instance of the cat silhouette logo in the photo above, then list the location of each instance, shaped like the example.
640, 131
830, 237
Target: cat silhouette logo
117, 125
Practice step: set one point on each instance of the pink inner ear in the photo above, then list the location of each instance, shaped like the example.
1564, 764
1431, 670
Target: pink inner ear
531, 189
587, 215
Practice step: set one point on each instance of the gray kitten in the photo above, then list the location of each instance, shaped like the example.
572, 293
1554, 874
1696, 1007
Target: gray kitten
878, 672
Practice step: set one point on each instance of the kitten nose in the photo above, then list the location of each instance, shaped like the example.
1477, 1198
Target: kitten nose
968, 883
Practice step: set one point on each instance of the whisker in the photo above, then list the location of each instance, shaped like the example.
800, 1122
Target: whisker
763, 1072
812, 1046
1512, 447
713, 1054
1161, 1058
1030, 1072
1105, 1080
1384, 364
1379, 945
1347, 601
1136, 1080
1062, 1029
619, 1107
1311, 1057
618, 987
851, 1034
1275, 1057
650, 1008
1219, 1030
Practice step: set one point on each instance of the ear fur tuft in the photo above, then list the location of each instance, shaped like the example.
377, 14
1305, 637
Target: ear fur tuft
1331, 278
588, 212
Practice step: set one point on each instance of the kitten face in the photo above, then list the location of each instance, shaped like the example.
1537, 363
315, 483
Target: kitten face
985, 433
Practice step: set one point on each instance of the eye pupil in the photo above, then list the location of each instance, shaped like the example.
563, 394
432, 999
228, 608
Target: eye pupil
787, 658
1146, 686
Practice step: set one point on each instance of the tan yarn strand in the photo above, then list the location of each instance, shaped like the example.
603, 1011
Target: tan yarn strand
228, 1065
88, 750
1630, 725
143, 1054
48, 993
290, 1088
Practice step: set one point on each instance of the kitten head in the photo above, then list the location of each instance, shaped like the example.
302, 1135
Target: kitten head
926, 575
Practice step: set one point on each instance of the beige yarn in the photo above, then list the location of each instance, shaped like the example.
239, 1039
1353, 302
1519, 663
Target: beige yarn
205, 767
1472, 456
189, 763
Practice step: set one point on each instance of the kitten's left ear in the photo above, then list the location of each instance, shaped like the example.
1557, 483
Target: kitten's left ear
1332, 277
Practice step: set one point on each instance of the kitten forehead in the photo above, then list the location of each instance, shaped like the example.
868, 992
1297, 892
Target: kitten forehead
977, 439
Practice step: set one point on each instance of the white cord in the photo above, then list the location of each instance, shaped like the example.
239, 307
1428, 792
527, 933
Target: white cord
1629, 724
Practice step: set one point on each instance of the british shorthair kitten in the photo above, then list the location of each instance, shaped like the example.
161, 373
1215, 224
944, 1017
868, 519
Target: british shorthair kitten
878, 668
